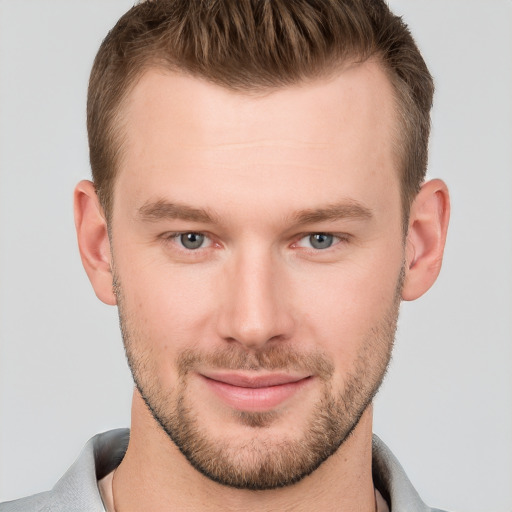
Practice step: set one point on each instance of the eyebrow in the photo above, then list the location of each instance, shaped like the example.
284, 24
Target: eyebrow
345, 210
161, 210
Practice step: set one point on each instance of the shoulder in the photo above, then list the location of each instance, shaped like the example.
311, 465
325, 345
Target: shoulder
38, 502
77, 490
392, 482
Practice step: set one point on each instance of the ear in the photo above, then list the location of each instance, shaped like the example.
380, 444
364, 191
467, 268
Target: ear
428, 225
93, 242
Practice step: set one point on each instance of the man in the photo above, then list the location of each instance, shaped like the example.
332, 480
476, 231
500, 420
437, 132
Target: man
257, 214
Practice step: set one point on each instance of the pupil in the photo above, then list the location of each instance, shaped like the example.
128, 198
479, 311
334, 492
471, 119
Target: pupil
321, 240
192, 240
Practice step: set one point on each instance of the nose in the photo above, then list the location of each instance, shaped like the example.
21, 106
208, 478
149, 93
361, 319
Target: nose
255, 309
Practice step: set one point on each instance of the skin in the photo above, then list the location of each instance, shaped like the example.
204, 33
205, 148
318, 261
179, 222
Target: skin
266, 168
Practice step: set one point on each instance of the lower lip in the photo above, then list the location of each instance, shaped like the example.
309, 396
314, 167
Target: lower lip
255, 399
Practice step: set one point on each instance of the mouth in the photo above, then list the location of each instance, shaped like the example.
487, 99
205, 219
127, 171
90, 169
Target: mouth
254, 393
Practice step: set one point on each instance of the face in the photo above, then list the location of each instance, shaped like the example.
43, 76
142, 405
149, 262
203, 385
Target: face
258, 252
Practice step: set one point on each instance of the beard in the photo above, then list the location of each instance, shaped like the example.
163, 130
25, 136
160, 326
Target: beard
261, 461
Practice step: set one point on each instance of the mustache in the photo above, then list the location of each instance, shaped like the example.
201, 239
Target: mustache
271, 358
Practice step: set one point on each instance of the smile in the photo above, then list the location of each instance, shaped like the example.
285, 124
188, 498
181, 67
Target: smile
255, 393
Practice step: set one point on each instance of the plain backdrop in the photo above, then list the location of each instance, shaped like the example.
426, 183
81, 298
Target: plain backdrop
446, 405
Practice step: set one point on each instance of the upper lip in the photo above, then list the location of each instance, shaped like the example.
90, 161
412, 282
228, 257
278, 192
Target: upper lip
254, 381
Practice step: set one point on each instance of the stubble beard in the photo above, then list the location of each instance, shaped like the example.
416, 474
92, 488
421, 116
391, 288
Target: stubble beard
260, 462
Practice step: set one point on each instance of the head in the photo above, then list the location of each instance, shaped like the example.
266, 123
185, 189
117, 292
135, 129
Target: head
253, 174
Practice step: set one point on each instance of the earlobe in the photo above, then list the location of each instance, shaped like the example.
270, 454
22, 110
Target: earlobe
428, 225
93, 241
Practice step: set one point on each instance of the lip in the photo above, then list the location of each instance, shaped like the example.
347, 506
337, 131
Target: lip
256, 393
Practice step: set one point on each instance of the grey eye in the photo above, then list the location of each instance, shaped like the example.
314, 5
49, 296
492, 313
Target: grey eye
321, 240
192, 240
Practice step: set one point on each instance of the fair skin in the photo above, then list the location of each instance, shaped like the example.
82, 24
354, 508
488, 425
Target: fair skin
259, 176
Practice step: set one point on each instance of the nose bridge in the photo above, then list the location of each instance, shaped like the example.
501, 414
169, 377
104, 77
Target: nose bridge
255, 310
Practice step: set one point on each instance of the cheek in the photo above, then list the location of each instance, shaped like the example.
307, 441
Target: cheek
166, 311
344, 309
174, 294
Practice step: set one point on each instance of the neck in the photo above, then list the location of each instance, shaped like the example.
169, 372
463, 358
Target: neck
154, 475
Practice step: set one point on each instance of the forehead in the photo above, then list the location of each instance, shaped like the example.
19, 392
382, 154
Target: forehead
183, 133
357, 88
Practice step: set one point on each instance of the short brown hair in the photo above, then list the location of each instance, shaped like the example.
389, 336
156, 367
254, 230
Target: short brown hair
248, 45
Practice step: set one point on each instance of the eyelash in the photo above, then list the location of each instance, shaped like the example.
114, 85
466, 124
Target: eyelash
339, 238
174, 237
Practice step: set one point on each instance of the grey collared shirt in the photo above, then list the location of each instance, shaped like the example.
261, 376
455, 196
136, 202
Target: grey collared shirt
77, 490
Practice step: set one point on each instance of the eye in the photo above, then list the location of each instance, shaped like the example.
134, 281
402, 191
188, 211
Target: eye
318, 241
321, 240
191, 240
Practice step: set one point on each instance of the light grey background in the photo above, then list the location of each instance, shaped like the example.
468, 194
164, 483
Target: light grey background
446, 406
